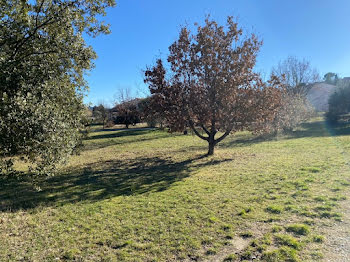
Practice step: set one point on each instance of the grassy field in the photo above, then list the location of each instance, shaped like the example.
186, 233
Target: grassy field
146, 195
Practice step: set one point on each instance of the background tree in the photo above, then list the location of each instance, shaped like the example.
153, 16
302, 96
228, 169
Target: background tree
212, 85
101, 113
123, 95
331, 78
128, 112
43, 57
339, 102
149, 114
297, 75
294, 110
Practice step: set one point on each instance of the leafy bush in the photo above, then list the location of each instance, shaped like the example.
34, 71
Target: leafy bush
43, 59
294, 110
339, 103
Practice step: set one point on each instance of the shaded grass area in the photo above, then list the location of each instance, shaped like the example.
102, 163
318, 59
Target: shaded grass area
98, 181
105, 138
146, 195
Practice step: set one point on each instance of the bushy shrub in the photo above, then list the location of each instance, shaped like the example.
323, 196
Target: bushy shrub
43, 60
339, 103
295, 109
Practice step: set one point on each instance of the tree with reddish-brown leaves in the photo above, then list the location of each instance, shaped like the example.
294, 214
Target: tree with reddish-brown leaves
211, 84
149, 112
127, 112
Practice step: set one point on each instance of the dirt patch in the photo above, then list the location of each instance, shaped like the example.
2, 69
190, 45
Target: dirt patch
238, 244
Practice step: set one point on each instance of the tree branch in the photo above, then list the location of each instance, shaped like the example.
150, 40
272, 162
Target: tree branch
25, 39
38, 13
205, 130
39, 53
197, 133
223, 136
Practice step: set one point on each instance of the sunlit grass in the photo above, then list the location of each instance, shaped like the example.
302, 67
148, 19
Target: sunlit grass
147, 195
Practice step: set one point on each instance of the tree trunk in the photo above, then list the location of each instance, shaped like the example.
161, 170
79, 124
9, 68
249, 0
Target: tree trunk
211, 148
211, 142
211, 138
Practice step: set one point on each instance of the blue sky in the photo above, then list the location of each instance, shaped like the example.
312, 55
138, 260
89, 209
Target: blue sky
142, 30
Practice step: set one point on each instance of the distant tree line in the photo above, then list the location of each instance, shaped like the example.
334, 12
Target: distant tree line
128, 112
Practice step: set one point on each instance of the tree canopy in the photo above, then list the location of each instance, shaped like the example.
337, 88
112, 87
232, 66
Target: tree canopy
43, 58
331, 78
211, 84
128, 112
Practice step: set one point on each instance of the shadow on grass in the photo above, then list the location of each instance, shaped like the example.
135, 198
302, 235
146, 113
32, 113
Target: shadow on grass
322, 129
310, 129
124, 136
120, 132
246, 141
94, 183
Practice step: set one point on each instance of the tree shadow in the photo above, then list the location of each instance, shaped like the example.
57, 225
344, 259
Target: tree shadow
321, 129
129, 135
122, 133
309, 129
98, 182
247, 140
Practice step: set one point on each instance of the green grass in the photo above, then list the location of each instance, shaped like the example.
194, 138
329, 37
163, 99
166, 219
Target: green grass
282, 254
286, 240
231, 257
147, 195
276, 229
274, 209
318, 239
298, 229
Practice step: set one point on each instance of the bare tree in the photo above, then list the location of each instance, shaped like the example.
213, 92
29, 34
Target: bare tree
123, 95
297, 74
211, 84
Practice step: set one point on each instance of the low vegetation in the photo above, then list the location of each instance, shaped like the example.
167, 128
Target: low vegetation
143, 195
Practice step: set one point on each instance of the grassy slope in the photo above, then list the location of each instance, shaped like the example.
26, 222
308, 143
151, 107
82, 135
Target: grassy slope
146, 195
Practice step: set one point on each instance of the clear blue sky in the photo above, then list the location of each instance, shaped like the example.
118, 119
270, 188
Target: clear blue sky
318, 30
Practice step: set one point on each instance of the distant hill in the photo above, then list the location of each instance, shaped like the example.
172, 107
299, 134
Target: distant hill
319, 94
